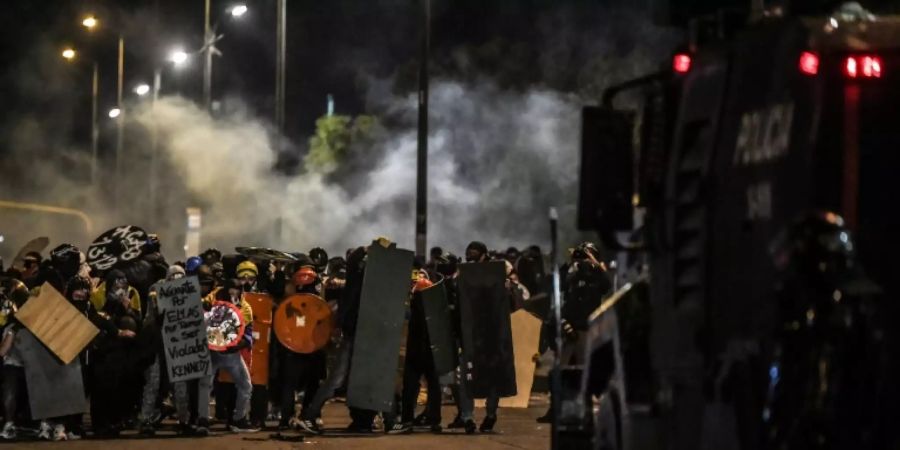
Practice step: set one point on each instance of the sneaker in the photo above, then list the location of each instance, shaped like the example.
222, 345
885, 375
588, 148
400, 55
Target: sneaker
202, 428
9, 431
469, 425
398, 428
546, 418
242, 426
309, 426
59, 433
436, 428
73, 436
188, 430
421, 421
147, 429
488, 424
457, 423
46, 431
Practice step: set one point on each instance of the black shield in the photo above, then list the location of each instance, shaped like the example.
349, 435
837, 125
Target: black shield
486, 328
440, 328
379, 331
119, 244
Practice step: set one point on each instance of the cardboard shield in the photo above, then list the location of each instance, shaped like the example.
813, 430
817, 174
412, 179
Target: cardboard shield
56, 323
224, 326
183, 329
123, 243
258, 362
303, 323
486, 328
379, 333
440, 328
54, 389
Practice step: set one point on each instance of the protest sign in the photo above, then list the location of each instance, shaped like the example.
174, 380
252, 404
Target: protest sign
183, 329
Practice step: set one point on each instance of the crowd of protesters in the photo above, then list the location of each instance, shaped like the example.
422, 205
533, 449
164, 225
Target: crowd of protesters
124, 371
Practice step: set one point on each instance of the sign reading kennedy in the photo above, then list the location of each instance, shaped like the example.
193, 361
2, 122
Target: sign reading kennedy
183, 329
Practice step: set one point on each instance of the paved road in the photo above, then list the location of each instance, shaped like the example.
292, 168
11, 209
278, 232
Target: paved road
516, 429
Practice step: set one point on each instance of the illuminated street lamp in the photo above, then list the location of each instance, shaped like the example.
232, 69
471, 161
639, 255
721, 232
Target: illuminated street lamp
115, 112
238, 10
142, 89
89, 22
69, 54
178, 57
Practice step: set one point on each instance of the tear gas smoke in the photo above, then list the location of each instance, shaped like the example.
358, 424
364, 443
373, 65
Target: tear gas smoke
497, 161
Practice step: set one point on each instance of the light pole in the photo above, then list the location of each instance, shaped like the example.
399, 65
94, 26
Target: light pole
69, 55
209, 47
280, 45
422, 148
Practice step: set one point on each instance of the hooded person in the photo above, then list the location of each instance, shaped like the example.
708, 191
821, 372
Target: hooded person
118, 361
114, 289
419, 363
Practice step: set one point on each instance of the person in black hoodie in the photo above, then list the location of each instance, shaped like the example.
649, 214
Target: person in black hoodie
117, 367
348, 312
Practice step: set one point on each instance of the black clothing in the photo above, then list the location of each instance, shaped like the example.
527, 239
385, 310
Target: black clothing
586, 286
348, 305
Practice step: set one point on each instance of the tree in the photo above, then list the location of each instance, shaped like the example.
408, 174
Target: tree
332, 144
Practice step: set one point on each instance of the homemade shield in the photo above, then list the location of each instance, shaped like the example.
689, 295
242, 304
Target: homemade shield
262, 326
123, 243
35, 245
376, 348
486, 330
440, 328
303, 323
56, 323
224, 326
54, 389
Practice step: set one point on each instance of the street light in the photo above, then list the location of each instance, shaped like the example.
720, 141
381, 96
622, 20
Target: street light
238, 10
142, 89
115, 112
89, 22
69, 54
178, 57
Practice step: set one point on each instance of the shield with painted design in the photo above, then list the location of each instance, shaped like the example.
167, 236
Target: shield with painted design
120, 244
303, 323
224, 326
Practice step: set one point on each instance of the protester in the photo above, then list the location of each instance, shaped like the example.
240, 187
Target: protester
419, 363
12, 378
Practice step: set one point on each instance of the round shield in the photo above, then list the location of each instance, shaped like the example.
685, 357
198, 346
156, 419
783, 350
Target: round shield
123, 243
303, 323
265, 254
34, 245
224, 326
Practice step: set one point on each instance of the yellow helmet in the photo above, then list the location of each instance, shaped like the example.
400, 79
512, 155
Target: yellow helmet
247, 266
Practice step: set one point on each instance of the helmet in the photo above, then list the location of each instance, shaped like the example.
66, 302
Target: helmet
211, 256
305, 276
66, 258
13, 290
319, 257
192, 264
247, 266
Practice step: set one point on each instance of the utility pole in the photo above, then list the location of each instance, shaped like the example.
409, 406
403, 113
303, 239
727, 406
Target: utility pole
95, 128
154, 143
208, 40
280, 44
422, 160
120, 124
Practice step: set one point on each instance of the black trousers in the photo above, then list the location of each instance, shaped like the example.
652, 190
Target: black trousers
418, 365
299, 371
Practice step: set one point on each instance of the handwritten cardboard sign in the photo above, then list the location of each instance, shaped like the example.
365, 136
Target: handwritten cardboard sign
183, 329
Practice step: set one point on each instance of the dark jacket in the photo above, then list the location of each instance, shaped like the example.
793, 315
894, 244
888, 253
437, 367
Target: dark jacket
348, 305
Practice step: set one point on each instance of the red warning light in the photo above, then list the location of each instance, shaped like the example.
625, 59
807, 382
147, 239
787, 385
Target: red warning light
681, 62
809, 63
863, 66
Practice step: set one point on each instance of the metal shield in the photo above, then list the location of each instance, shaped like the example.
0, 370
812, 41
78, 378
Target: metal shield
54, 389
440, 328
486, 328
224, 326
303, 323
379, 332
123, 243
